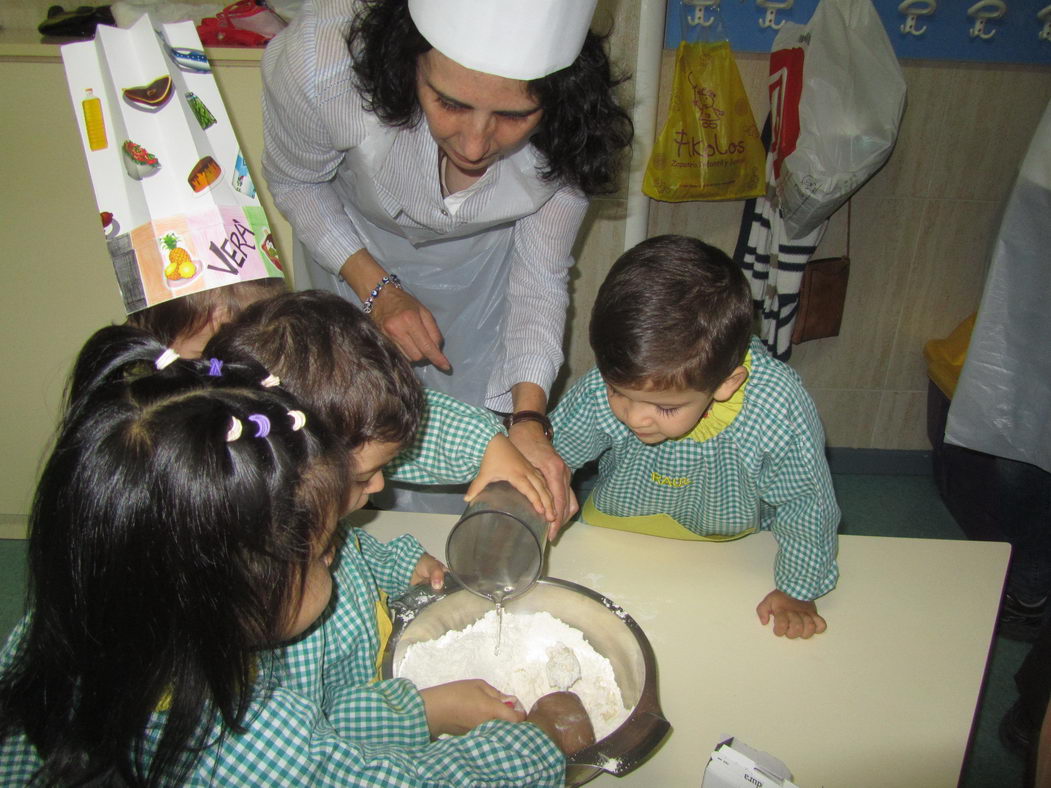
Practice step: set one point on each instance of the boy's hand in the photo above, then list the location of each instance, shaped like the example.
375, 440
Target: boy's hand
460, 706
528, 437
503, 462
429, 570
563, 718
793, 617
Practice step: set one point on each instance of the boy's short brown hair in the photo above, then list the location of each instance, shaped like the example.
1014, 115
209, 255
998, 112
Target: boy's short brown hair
673, 313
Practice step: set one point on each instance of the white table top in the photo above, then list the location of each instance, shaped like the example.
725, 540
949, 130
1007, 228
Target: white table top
885, 697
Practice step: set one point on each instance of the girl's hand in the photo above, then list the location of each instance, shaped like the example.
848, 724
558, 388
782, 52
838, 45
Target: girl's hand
429, 570
793, 617
410, 325
503, 462
460, 706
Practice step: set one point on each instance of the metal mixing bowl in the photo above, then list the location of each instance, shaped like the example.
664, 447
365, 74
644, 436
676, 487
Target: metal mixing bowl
423, 614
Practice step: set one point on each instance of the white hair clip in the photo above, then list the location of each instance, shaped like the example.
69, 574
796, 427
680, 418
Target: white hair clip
299, 420
235, 430
165, 358
270, 381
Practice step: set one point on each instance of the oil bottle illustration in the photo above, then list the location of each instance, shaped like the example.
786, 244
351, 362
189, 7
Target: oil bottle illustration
94, 123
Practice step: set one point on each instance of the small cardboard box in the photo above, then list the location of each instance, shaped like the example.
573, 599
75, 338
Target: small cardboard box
734, 764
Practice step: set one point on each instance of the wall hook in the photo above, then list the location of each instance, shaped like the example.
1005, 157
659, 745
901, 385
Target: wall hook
913, 9
983, 11
698, 17
1044, 16
772, 7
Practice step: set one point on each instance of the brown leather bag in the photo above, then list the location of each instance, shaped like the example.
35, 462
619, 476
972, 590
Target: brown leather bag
822, 296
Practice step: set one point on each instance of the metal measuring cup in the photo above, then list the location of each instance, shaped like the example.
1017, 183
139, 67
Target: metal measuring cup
497, 547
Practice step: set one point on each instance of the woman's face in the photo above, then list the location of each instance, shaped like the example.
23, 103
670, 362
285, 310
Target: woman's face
476, 118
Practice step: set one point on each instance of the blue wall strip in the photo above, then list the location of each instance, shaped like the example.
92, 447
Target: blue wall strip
947, 33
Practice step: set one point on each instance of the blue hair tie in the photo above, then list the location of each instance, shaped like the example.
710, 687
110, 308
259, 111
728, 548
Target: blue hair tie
216, 368
262, 422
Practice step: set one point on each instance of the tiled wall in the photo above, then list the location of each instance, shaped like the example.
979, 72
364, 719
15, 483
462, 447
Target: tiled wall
922, 230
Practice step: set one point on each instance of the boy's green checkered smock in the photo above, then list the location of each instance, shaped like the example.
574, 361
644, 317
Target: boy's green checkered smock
766, 469
317, 717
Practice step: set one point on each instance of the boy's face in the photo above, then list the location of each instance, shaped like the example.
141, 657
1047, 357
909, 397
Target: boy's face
657, 415
366, 478
367, 464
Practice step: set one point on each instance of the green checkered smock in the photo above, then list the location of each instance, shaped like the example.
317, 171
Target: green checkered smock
318, 718
766, 470
449, 445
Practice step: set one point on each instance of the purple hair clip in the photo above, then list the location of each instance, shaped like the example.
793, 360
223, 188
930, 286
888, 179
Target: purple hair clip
215, 368
262, 422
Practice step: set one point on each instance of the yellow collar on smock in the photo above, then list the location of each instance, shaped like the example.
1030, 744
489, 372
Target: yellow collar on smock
720, 414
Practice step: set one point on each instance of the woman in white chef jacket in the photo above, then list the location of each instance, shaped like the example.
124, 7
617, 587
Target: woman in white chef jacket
439, 178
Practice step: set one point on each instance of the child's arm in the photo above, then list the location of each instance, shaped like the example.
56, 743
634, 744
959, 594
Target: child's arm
377, 735
460, 706
457, 443
797, 483
578, 421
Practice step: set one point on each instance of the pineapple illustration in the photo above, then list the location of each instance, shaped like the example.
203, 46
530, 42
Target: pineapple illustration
180, 266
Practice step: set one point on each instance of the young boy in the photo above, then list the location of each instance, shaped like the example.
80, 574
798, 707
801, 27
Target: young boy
331, 357
698, 432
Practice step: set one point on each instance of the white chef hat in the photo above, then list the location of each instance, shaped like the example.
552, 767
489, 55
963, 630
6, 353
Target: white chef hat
517, 39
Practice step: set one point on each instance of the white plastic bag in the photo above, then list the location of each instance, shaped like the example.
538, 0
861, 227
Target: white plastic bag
837, 94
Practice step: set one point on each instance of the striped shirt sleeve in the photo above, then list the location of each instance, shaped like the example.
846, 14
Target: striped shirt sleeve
300, 159
538, 294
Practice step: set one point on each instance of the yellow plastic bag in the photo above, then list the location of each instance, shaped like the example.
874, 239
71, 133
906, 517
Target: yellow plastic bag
710, 148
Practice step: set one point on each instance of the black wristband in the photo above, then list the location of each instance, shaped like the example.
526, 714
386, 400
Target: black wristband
530, 415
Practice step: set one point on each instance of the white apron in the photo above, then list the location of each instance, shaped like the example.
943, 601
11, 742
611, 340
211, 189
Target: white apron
462, 280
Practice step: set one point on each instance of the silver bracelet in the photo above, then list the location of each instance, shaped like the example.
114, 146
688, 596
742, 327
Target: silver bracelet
389, 279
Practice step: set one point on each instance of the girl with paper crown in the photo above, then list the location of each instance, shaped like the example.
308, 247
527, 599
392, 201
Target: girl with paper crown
435, 159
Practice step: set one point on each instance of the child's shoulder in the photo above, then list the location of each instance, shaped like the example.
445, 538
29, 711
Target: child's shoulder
773, 385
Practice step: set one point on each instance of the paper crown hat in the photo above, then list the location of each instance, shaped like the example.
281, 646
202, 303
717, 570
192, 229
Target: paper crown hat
517, 39
178, 207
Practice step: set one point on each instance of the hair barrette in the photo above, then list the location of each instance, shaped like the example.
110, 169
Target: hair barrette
235, 430
215, 368
299, 419
262, 422
270, 381
165, 358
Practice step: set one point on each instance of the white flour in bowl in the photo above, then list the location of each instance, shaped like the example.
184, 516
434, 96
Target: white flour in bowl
521, 667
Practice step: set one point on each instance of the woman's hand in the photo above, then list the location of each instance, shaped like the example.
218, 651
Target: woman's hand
528, 437
460, 706
503, 462
410, 325
429, 570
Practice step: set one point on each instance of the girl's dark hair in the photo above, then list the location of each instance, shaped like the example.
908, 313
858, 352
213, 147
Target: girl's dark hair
673, 313
171, 320
334, 359
582, 134
162, 556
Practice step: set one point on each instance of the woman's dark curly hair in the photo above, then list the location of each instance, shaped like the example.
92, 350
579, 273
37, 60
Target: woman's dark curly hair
582, 134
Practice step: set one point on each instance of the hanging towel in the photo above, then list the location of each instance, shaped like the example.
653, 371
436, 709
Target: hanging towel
773, 263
